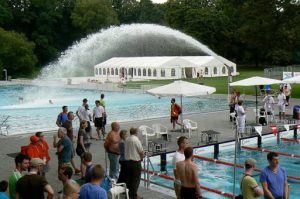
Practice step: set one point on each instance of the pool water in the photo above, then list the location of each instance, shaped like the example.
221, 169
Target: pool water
34, 112
220, 177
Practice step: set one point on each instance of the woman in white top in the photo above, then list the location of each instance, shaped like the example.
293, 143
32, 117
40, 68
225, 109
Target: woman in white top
281, 104
241, 117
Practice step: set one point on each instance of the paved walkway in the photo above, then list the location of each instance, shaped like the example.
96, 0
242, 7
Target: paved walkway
218, 121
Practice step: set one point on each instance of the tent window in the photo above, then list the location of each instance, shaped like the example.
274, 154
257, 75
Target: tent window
104, 71
116, 71
154, 72
215, 70
206, 71
149, 72
139, 72
134, 71
144, 72
112, 71
223, 70
162, 73
173, 72
100, 70
108, 71
232, 69
120, 71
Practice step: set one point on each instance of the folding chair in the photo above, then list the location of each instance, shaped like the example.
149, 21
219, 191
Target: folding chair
190, 126
159, 130
117, 189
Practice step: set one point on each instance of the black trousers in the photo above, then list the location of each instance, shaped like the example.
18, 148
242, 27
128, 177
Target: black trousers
123, 173
134, 169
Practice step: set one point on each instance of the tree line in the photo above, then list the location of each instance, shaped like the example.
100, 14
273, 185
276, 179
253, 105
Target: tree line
249, 32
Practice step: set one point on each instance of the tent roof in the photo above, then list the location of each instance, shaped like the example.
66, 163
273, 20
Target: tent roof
159, 62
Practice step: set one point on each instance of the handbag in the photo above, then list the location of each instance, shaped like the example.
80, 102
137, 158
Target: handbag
79, 151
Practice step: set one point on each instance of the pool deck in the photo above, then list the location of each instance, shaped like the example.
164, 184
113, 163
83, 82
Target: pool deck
218, 121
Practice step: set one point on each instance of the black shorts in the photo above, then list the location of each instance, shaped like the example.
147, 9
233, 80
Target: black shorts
174, 118
99, 122
186, 192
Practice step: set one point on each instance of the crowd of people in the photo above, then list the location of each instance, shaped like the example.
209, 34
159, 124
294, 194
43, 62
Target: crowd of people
125, 154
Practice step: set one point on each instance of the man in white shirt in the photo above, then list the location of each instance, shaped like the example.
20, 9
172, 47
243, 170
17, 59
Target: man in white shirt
281, 104
84, 113
182, 143
98, 112
241, 117
134, 153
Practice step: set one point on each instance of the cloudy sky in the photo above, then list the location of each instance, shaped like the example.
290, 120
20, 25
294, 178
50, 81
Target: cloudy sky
159, 1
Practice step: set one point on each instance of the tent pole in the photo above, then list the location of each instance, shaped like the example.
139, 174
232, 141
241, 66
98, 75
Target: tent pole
256, 105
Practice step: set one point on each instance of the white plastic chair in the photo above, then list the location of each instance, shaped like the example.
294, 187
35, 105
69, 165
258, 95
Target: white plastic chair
117, 189
147, 132
159, 130
191, 126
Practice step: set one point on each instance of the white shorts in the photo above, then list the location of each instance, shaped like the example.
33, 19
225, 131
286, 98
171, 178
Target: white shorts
281, 108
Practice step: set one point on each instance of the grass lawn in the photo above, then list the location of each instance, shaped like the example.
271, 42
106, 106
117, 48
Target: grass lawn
221, 82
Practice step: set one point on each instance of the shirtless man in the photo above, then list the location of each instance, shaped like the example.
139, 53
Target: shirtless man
111, 146
187, 173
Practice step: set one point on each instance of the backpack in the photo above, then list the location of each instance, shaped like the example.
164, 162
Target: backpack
24, 149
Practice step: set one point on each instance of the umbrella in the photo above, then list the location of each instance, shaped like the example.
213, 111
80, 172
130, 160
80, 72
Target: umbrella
255, 81
293, 80
182, 89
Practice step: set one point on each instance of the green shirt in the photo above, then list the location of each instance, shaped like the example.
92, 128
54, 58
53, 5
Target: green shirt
102, 102
12, 183
248, 185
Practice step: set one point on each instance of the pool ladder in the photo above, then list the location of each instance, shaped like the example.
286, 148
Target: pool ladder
3, 124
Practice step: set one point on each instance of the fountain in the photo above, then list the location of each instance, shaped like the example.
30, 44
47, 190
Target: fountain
123, 41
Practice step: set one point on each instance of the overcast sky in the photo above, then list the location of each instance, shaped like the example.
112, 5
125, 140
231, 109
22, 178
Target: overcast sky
159, 1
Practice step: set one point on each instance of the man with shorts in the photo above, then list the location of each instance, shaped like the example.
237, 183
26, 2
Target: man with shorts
187, 172
175, 112
84, 113
98, 112
281, 104
182, 143
273, 179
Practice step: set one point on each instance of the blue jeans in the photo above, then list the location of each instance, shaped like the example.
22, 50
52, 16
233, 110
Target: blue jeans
113, 165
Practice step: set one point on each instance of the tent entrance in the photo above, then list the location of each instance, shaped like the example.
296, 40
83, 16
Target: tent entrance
189, 72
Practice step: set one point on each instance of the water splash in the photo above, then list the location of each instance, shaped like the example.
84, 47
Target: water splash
123, 41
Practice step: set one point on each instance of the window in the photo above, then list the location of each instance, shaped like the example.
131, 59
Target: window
139, 72
173, 73
215, 70
134, 71
232, 69
116, 71
206, 71
144, 72
108, 71
100, 70
223, 70
154, 72
104, 71
162, 73
112, 71
149, 72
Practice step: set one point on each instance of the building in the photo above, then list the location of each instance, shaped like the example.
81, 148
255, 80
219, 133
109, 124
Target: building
153, 68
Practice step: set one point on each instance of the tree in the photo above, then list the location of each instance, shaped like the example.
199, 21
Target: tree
5, 13
17, 53
92, 15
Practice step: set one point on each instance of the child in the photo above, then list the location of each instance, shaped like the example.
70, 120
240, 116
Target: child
3, 188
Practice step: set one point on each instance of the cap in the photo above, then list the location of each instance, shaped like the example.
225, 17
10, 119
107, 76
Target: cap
250, 162
34, 138
36, 162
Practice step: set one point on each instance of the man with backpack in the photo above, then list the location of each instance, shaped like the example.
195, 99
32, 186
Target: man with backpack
175, 112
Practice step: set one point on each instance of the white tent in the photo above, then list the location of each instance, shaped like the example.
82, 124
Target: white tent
292, 80
176, 67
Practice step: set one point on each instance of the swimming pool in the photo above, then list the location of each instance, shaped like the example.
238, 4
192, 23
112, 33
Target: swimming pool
220, 176
29, 109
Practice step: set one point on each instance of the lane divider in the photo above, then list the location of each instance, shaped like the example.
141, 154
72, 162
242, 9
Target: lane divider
232, 164
165, 176
267, 151
290, 139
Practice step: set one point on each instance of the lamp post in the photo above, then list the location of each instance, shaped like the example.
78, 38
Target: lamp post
5, 71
